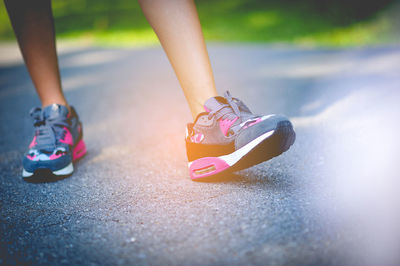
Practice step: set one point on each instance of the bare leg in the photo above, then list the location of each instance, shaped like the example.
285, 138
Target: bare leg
34, 28
177, 25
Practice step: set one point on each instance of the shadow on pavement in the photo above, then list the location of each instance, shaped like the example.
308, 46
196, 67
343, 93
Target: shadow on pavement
222, 178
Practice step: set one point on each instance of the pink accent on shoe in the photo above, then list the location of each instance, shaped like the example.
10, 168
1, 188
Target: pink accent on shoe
79, 150
226, 124
197, 138
33, 143
205, 108
207, 166
55, 156
253, 123
32, 158
67, 138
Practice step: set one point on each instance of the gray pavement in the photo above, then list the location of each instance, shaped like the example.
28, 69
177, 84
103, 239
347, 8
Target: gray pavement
330, 200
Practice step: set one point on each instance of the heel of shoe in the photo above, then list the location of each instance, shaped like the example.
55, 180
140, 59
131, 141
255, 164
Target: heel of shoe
79, 150
207, 166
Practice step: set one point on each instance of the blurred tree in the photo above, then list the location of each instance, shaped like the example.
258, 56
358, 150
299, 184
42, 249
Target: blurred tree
224, 20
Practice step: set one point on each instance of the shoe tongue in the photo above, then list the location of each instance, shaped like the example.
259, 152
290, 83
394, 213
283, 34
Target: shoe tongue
214, 103
55, 110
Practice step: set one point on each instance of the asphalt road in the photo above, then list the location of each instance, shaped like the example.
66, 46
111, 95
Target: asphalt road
332, 199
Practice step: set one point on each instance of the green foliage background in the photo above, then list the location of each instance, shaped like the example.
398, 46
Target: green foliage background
308, 22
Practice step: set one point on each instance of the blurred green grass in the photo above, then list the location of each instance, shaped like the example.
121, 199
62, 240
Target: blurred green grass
306, 22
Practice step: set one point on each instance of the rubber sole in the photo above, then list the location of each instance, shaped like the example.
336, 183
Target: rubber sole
263, 148
69, 169
283, 137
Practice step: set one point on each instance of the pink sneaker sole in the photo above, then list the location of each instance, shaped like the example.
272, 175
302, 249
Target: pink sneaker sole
206, 167
262, 148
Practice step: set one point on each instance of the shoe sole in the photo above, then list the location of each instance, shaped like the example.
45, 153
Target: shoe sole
78, 152
263, 148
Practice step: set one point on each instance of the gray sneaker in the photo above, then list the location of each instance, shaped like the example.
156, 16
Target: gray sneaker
229, 136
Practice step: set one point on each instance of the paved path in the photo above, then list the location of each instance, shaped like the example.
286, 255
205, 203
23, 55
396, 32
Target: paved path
330, 200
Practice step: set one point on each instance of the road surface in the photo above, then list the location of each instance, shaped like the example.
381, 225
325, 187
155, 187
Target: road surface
332, 199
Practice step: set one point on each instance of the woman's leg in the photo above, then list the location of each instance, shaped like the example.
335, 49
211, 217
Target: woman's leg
177, 25
34, 28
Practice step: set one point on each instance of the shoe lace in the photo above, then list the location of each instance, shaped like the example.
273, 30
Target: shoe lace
231, 104
48, 130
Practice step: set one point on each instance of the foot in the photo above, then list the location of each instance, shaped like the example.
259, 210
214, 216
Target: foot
57, 141
229, 136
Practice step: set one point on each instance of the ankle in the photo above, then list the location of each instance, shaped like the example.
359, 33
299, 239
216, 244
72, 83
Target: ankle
63, 103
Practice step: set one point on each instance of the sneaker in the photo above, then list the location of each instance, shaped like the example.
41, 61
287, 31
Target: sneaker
57, 141
229, 136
